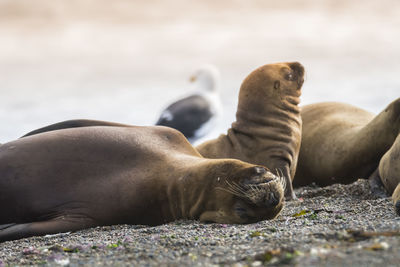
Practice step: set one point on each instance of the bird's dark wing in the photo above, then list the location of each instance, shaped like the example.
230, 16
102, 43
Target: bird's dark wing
187, 115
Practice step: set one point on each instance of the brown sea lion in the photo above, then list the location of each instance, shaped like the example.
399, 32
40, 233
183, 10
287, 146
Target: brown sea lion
341, 143
396, 199
74, 124
388, 173
267, 130
70, 179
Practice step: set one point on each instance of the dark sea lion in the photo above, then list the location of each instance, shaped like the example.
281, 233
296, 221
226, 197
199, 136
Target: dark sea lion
341, 143
388, 173
71, 179
267, 130
74, 124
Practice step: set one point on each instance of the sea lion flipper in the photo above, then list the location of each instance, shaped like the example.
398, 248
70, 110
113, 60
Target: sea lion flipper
396, 199
54, 226
73, 124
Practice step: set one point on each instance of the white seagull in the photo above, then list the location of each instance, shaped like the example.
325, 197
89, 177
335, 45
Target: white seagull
196, 115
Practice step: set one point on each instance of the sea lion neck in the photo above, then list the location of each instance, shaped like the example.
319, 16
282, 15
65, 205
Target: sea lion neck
251, 121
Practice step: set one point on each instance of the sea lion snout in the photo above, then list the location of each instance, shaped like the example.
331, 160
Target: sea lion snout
259, 175
297, 68
299, 71
263, 190
272, 200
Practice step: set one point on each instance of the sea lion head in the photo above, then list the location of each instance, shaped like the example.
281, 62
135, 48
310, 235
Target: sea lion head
272, 82
250, 195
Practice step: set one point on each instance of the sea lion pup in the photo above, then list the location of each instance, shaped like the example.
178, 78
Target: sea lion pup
388, 173
341, 143
267, 130
71, 179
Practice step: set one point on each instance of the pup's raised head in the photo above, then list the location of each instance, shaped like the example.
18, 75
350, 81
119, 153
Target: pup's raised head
270, 82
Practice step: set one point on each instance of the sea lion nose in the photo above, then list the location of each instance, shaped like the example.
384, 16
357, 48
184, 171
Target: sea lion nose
298, 68
272, 200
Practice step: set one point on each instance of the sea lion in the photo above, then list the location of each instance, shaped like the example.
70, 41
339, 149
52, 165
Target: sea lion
396, 199
267, 130
388, 173
71, 179
341, 142
74, 124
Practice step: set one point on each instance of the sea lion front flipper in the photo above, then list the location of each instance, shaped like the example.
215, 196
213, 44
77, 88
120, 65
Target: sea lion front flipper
396, 199
73, 124
376, 185
54, 226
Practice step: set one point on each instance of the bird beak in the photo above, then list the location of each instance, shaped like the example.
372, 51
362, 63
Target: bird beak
192, 79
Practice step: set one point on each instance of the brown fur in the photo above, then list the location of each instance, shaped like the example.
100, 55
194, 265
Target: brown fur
389, 172
341, 143
267, 130
396, 199
389, 167
77, 178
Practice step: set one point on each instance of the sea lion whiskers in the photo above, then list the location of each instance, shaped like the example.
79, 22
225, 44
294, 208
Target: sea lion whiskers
233, 189
254, 192
231, 192
238, 188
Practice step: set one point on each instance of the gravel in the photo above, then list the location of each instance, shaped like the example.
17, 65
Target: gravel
335, 225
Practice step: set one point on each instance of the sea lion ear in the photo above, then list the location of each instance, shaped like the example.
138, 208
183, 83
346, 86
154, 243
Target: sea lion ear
277, 84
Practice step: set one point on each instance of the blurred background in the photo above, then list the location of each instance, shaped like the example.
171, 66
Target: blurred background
126, 60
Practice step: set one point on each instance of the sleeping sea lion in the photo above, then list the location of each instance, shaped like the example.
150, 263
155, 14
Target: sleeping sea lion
342, 143
267, 130
388, 173
71, 179
396, 199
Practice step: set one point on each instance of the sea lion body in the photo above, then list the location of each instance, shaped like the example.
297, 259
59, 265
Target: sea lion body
70, 179
388, 173
341, 143
396, 199
389, 167
267, 130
